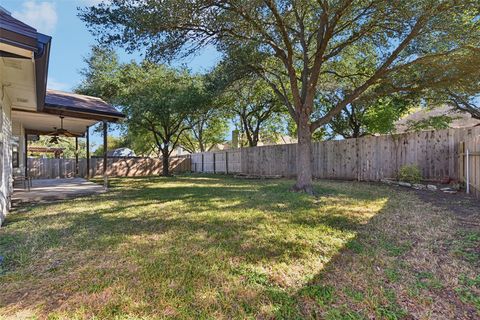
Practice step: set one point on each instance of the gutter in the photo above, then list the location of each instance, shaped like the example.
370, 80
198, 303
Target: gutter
42, 57
116, 115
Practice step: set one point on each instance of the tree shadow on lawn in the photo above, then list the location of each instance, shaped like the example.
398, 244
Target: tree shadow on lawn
402, 264
217, 245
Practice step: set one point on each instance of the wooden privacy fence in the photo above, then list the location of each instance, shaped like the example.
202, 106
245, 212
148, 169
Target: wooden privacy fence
437, 153
227, 161
469, 162
116, 167
366, 159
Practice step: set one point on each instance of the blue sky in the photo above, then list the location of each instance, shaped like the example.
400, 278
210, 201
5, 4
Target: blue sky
71, 41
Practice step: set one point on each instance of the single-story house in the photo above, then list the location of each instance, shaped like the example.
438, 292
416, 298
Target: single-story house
121, 152
459, 119
28, 109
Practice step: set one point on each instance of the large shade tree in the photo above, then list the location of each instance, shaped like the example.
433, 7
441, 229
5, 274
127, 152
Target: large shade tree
101, 74
159, 100
294, 45
452, 80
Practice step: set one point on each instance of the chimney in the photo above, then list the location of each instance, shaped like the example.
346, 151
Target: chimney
235, 139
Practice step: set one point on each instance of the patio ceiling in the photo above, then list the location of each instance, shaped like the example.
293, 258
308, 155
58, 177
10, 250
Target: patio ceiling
44, 123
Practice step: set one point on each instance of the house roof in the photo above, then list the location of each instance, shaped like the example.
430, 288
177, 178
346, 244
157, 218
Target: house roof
67, 102
14, 32
17, 26
459, 119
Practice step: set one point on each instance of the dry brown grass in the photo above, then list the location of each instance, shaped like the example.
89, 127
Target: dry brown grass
203, 247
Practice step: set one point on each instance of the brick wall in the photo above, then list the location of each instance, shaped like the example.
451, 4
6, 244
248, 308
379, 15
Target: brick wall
5, 157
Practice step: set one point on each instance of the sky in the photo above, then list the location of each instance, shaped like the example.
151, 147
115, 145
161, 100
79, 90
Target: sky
71, 42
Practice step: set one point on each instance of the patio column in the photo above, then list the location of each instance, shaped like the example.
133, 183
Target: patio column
88, 152
26, 154
105, 147
76, 156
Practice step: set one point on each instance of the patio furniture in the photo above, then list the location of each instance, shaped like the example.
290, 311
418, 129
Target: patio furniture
25, 180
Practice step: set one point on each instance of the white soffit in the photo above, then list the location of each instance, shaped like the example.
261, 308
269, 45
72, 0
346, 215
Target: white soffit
47, 122
16, 50
17, 77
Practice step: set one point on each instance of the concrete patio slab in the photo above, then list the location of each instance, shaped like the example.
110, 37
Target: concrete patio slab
46, 190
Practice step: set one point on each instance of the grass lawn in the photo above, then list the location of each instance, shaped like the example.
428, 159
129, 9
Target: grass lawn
213, 247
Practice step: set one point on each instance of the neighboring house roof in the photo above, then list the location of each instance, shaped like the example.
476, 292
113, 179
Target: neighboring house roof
45, 149
58, 100
287, 140
121, 152
459, 119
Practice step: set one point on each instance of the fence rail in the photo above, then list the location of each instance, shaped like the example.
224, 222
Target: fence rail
366, 159
116, 167
437, 153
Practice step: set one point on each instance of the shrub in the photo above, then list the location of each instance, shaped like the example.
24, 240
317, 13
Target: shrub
410, 174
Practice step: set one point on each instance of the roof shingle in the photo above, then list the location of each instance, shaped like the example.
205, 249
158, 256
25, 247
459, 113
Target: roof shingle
80, 103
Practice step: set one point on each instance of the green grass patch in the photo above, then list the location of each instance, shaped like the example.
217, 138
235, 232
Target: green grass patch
208, 247
466, 245
469, 291
185, 247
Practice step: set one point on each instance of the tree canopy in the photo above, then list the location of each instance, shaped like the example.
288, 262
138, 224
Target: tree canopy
207, 130
300, 47
159, 100
257, 109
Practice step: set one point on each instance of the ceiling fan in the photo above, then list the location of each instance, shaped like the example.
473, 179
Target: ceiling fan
59, 132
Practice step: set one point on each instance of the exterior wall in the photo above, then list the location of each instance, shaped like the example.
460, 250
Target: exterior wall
5, 156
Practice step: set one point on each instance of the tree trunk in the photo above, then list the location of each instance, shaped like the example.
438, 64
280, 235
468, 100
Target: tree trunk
165, 163
304, 157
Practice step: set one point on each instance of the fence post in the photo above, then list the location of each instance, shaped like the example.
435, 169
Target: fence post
214, 163
461, 159
60, 168
88, 152
203, 166
226, 162
468, 172
105, 150
76, 157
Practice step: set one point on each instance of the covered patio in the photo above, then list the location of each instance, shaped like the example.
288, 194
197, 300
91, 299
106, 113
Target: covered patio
64, 115
28, 110
47, 190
